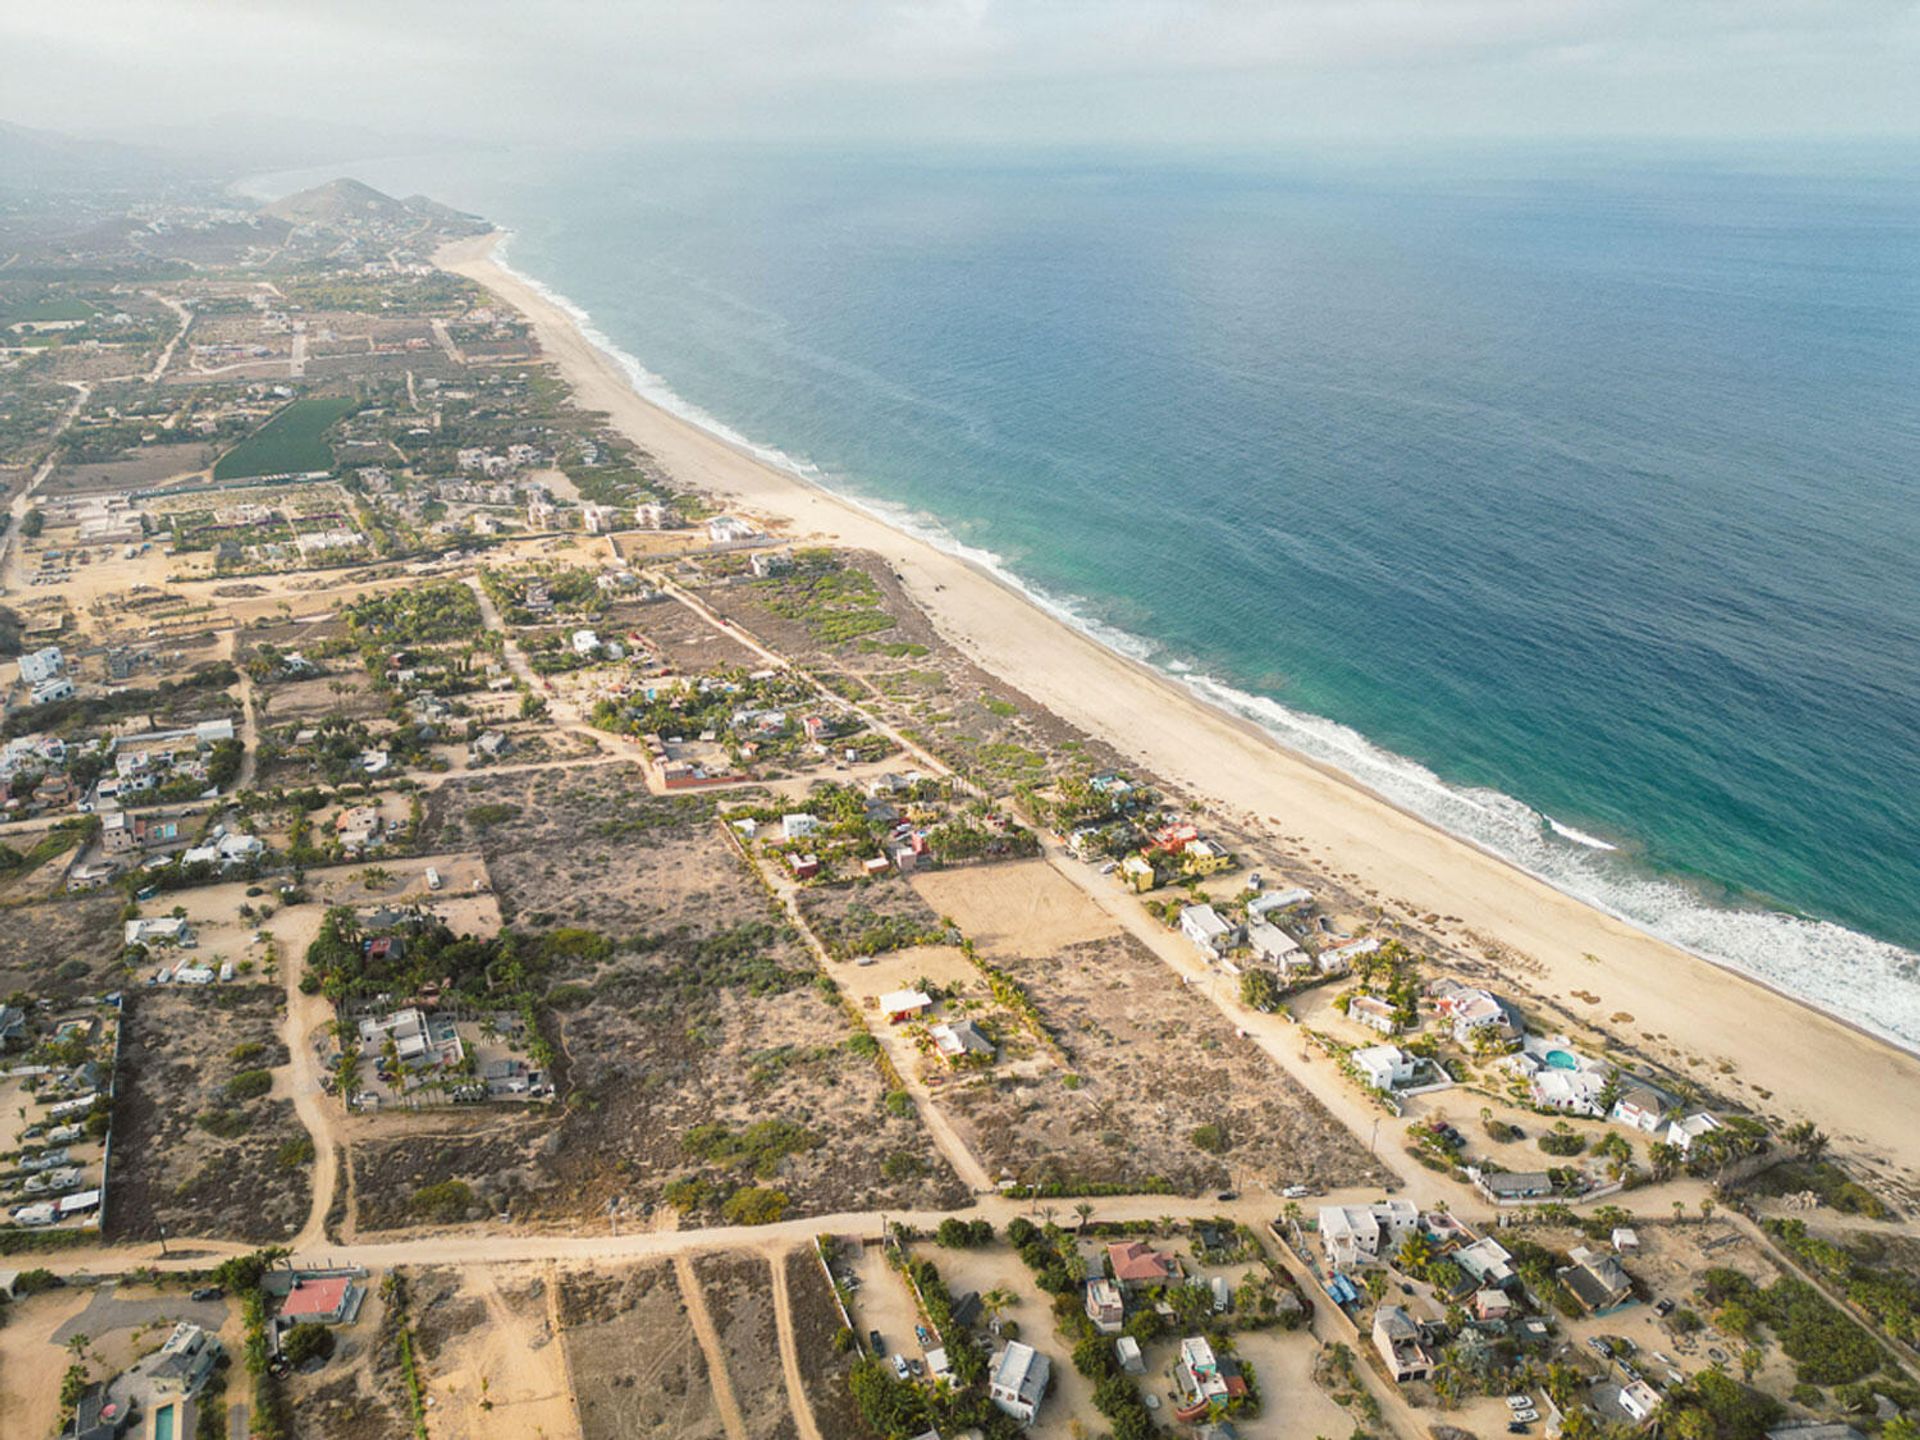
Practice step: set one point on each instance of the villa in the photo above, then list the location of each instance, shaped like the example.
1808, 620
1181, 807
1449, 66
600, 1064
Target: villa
1206, 928
1106, 1306
1684, 1132
1205, 1380
1136, 1264
1397, 1338
1384, 1066
1354, 1235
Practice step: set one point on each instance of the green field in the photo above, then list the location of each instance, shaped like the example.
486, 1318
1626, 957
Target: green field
52, 307
291, 443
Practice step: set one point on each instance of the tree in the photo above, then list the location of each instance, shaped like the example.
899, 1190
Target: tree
1085, 1212
307, 1341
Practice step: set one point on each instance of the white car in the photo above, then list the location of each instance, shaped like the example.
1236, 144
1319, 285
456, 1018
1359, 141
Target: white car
1525, 1417
1519, 1402
1295, 1192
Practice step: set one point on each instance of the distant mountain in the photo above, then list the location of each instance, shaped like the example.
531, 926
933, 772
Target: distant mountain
40, 160
343, 200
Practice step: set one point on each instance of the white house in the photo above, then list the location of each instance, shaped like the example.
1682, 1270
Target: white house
1685, 1131
1017, 1379
1639, 1400
1339, 960
1384, 1066
585, 642
798, 826
1643, 1108
42, 665
1397, 1338
163, 929
1206, 928
1271, 943
49, 692
729, 530
1281, 900
1365, 1234
1574, 1092
1485, 1262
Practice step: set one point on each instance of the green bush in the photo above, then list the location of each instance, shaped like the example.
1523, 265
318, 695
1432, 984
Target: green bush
249, 1084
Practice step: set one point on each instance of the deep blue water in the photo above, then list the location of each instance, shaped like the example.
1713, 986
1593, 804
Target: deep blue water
1581, 484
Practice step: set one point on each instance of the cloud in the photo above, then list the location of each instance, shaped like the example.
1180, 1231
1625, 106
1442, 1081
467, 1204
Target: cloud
1048, 70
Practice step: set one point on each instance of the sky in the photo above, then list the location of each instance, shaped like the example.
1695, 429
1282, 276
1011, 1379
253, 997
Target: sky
992, 71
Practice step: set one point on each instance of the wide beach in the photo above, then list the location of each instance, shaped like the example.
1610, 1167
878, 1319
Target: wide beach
1794, 1061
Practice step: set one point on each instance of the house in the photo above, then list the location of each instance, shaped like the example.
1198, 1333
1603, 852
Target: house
1017, 1377
50, 692
1491, 1305
1468, 1009
599, 519
1573, 1092
900, 1006
1683, 1132
1397, 1338
1277, 901
1509, 1187
959, 1039
1205, 927
358, 828
770, 562
799, 826
184, 1362
239, 849
320, 1299
1271, 943
1642, 1107
1204, 1380
1106, 1306
1640, 1400
804, 867
1136, 1265
1625, 1238
1485, 1262
1384, 1066
1353, 1235
42, 665
417, 1038
1374, 1013
160, 930
1599, 1282
1127, 1350
1340, 958
375, 762
491, 745
585, 642
730, 530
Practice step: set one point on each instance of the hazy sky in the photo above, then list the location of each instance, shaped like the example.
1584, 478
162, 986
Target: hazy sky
1002, 70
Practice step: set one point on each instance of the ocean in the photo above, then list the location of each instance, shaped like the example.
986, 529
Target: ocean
1566, 496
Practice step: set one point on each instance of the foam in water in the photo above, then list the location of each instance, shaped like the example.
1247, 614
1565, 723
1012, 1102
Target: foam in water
1824, 964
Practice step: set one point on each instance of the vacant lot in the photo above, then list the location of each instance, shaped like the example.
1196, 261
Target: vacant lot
64, 947
197, 1143
682, 1000
823, 1370
739, 1296
637, 1368
1161, 1088
1023, 907
291, 443
590, 847
491, 1361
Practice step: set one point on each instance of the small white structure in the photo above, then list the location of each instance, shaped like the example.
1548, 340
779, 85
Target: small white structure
585, 642
1353, 1235
1384, 1066
49, 692
798, 827
1280, 900
1206, 928
730, 530
42, 665
1684, 1132
1271, 943
160, 930
1639, 1400
1017, 1378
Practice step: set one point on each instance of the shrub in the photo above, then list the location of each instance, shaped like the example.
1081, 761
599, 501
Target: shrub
307, 1341
755, 1205
250, 1084
445, 1202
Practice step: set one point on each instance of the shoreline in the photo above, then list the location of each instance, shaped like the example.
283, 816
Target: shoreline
1718, 1015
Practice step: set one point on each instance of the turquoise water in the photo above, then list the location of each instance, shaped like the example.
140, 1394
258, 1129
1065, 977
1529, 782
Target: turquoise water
1567, 498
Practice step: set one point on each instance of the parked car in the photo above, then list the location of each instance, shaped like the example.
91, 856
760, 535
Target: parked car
1227, 1197
208, 1292
1295, 1192
1514, 1427
1663, 1307
922, 1334
1519, 1402
900, 1366
1526, 1417
873, 1339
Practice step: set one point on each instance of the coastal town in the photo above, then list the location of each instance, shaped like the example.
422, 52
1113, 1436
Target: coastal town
510, 938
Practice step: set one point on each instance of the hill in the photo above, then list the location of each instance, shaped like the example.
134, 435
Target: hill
336, 201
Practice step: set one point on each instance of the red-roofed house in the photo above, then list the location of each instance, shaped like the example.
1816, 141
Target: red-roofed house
329, 1300
1136, 1264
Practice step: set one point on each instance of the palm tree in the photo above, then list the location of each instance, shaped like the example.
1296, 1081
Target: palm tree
1085, 1212
997, 1301
1706, 1209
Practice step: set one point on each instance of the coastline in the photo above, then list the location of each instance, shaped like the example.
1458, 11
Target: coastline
1844, 1076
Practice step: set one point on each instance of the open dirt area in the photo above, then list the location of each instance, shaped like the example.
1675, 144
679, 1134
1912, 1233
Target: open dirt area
1022, 907
61, 948
637, 1368
1153, 1065
360, 1394
739, 1296
487, 1345
193, 1147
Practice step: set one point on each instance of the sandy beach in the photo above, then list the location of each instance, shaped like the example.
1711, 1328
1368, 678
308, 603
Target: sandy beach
1794, 1061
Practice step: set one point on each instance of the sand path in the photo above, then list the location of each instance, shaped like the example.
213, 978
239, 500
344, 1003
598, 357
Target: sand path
724, 1400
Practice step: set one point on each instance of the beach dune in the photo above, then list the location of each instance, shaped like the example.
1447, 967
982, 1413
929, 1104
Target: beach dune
1783, 1057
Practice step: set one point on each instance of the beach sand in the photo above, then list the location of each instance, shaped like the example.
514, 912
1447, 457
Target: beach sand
1794, 1061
